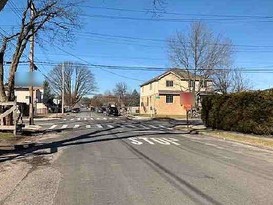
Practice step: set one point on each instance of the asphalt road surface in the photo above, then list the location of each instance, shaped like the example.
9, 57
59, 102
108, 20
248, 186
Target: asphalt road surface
148, 162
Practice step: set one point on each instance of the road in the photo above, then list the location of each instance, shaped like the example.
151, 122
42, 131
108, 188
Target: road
148, 162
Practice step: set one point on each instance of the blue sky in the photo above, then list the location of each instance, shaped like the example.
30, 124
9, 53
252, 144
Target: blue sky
100, 49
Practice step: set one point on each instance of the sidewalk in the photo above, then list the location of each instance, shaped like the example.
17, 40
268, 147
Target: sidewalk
53, 116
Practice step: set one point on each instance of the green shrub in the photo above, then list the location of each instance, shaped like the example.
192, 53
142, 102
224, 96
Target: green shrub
246, 112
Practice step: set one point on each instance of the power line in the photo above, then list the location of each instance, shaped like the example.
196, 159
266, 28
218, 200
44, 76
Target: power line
155, 68
189, 20
147, 11
180, 14
164, 40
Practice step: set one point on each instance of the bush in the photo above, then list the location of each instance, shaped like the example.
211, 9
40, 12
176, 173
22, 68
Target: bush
246, 112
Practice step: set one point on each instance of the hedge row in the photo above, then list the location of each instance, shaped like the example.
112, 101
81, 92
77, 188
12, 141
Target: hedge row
246, 112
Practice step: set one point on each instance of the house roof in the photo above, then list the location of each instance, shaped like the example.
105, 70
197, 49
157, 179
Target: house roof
181, 73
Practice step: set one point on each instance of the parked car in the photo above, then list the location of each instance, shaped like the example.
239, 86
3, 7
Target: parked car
101, 109
75, 110
112, 111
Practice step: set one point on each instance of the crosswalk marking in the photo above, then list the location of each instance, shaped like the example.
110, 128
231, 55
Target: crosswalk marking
105, 118
91, 118
132, 126
142, 126
99, 125
52, 127
98, 118
85, 118
79, 119
64, 119
64, 126
110, 118
72, 119
76, 126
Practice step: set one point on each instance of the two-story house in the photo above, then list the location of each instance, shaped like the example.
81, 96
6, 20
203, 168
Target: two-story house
161, 96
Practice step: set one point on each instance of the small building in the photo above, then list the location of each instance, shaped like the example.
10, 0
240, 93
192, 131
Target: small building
161, 96
22, 95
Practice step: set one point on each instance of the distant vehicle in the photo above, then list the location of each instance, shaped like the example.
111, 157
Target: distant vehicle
67, 109
112, 111
75, 110
101, 110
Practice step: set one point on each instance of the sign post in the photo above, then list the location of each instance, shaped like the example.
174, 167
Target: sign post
187, 100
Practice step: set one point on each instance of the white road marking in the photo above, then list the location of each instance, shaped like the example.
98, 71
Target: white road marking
52, 127
76, 126
134, 141
99, 125
110, 126
88, 126
79, 118
72, 119
153, 141
64, 119
91, 118
146, 140
142, 126
85, 118
105, 118
162, 126
98, 118
132, 126
152, 126
161, 141
64, 126
110, 118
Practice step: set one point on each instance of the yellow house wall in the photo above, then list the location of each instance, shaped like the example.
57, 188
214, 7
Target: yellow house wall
159, 106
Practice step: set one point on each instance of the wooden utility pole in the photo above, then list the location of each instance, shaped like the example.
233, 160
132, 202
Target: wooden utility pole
31, 66
62, 88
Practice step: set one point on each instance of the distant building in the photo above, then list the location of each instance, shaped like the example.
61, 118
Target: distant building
22, 95
161, 96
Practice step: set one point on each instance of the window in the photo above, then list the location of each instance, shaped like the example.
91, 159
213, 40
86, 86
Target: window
191, 83
169, 83
203, 84
151, 86
169, 98
27, 97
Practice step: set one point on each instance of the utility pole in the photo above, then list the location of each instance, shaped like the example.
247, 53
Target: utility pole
62, 88
31, 66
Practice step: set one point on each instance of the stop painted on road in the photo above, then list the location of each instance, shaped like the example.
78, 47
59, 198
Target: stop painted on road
153, 141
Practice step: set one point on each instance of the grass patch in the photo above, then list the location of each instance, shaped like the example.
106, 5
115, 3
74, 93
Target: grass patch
243, 138
6, 136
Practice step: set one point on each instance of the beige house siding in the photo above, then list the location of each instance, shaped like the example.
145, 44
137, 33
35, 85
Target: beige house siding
153, 96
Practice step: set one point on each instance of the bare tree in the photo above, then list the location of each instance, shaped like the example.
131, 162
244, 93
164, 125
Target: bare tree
200, 52
55, 18
2, 4
238, 82
230, 80
120, 91
79, 81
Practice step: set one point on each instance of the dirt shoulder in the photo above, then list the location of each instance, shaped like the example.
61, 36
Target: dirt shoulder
250, 139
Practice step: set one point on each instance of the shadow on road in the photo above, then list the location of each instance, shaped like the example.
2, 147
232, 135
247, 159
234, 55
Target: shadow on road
87, 138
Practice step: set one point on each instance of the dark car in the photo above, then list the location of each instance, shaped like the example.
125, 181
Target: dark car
112, 111
75, 110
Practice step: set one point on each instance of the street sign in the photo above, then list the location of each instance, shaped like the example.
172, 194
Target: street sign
187, 100
157, 97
